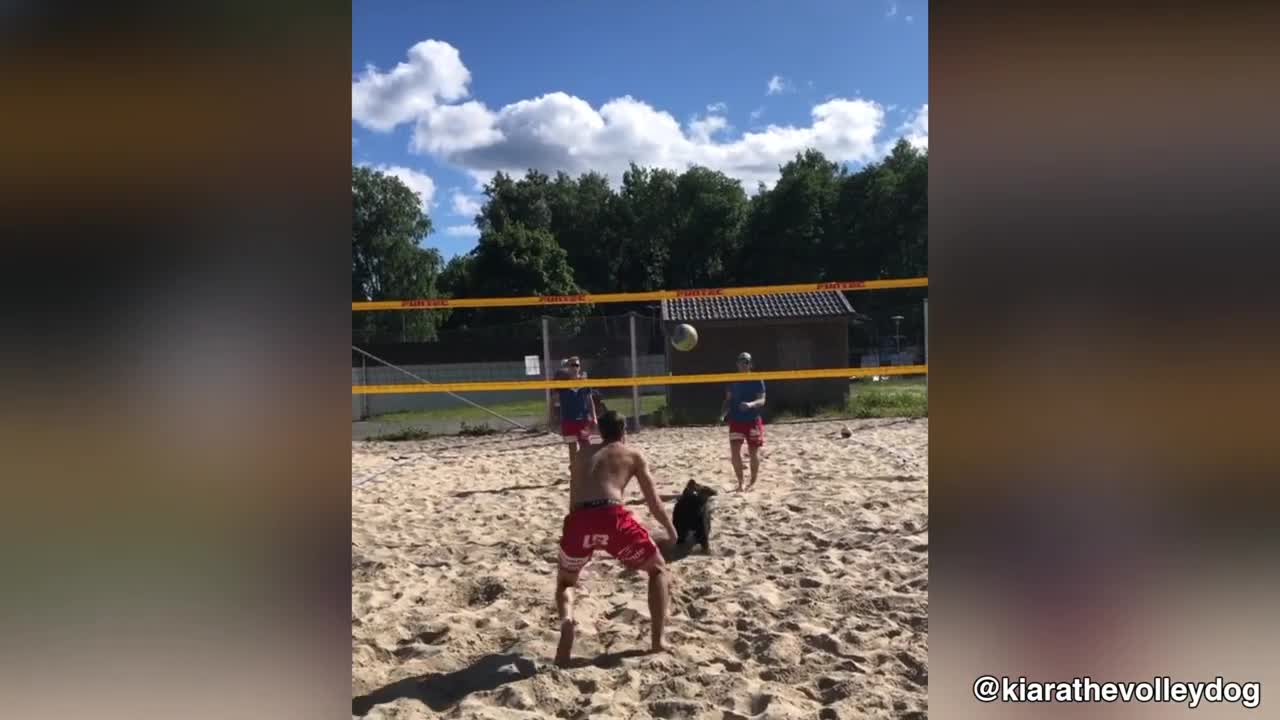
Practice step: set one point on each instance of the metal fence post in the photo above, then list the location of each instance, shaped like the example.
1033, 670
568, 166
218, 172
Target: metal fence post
635, 372
364, 380
546, 364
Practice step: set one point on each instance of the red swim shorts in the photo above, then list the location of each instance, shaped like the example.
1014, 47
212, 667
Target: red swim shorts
611, 528
752, 431
578, 431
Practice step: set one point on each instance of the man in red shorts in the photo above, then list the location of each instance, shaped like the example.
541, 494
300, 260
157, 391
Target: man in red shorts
742, 403
598, 520
577, 410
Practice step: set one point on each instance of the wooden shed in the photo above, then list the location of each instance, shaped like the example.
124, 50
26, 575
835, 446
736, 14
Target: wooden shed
792, 331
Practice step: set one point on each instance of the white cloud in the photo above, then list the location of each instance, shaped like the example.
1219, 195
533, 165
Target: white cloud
465, 204
462, 231
421, 184
755, 114
454, 127
701, 129
909, 19
777, 85
916, 130
559, 132
893, 9
719, 108
434, 72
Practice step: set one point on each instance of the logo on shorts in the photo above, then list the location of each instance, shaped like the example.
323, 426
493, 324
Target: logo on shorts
595, 541
754, 432
633, 555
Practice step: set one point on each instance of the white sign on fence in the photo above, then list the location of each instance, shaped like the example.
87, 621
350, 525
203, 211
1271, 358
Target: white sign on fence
532, 365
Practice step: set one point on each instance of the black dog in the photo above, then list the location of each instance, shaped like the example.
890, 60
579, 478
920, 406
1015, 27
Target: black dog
692, 514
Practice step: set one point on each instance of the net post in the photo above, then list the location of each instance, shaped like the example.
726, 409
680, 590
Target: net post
926, 346
364, 380
546, 364
635, 372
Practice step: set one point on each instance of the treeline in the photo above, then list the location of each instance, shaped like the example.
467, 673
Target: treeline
542, 235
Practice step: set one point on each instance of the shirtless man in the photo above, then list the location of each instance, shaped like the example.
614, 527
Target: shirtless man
598, 520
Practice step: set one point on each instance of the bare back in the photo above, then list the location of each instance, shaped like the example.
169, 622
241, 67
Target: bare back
599, 520
601, 472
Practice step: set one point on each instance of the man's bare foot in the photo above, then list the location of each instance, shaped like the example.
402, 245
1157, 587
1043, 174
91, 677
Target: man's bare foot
659, 647
568, 629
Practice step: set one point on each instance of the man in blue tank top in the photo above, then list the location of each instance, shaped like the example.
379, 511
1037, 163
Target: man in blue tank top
577, 410
742, 403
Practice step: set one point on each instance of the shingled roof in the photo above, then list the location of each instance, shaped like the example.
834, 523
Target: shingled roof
783, 306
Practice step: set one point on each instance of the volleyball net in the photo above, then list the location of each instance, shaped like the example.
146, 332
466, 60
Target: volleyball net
410, 368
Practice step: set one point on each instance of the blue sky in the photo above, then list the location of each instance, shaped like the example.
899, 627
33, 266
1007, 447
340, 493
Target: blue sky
444, 94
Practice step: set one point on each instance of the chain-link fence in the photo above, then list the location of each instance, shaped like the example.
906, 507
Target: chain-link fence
609, 347
888, 329
494, 353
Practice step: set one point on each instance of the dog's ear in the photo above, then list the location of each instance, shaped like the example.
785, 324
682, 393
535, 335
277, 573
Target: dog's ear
708, 491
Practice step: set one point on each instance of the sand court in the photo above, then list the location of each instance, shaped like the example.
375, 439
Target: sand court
813, 604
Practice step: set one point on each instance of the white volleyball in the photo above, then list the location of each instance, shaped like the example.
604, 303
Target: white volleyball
684, 338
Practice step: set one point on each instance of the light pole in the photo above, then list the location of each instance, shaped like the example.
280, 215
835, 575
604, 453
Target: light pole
897, 335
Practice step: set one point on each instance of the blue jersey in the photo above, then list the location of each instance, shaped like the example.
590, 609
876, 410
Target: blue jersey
575, 403
744, 391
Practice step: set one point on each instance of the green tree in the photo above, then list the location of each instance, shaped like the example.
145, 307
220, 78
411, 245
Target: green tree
882, 217
905, 178
455, 279
524, 202
582, 212
788, 230
515, 261
711, 210
387, 262
882, 232
645, 221
543, 235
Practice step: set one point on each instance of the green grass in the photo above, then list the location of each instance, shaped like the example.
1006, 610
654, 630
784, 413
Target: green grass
413, 433
890, 398
524, 408
896, 397
403, 435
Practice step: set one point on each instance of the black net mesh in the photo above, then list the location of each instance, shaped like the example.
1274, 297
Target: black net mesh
887, 329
